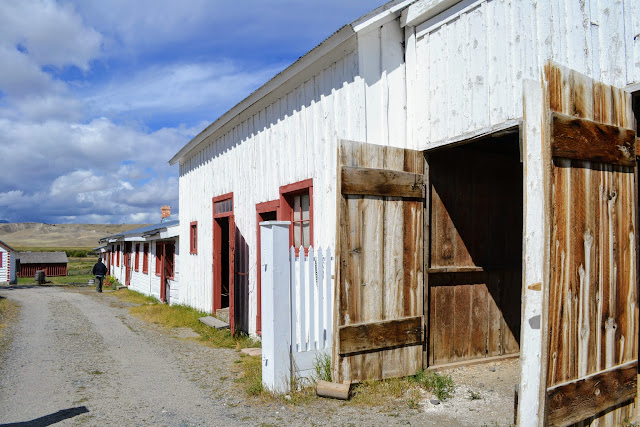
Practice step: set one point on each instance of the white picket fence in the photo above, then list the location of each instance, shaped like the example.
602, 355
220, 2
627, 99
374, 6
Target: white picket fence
297, 307
311, 295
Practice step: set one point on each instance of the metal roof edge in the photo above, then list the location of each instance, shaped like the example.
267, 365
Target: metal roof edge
304, 62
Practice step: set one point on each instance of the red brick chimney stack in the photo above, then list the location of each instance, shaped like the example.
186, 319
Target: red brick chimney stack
166, 211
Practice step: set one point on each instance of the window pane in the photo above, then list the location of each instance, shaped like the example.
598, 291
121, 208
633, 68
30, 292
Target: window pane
296, 208
306, 238
305, 206
296, 235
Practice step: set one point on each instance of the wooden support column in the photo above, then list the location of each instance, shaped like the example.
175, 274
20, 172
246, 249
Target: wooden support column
531, 387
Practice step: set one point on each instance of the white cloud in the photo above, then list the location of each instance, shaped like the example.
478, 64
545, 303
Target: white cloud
179, 88
52, 33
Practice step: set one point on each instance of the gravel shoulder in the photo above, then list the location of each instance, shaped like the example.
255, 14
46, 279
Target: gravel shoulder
79, 358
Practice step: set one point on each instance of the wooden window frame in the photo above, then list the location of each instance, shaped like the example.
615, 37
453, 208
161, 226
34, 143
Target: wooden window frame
285, 212
136, 259
193, 237
145, 258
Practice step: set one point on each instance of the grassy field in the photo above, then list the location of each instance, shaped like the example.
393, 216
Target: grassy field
78, 271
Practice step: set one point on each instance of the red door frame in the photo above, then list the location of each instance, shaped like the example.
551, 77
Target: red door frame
217, 245
261, 208
127, 263
160, 253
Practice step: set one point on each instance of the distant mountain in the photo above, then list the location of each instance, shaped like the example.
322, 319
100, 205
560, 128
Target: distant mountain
37, 235
4, 221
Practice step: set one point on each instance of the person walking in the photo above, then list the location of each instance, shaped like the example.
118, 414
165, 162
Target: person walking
99, 270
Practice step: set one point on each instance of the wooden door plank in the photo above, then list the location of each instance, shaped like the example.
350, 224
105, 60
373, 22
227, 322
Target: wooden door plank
381, 182
362, 337
577, 400
583, 139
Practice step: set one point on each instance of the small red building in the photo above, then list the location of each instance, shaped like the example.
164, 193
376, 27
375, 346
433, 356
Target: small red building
53, 263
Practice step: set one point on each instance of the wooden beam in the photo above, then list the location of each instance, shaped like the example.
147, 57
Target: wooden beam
637, 146
576, 400
378, 335
582, 139
334, 390
382, 182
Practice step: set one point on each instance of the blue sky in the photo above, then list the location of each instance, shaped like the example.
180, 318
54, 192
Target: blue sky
97, 96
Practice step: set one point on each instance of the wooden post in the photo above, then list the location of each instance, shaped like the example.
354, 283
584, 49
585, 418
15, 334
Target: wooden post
276, 306
531, 386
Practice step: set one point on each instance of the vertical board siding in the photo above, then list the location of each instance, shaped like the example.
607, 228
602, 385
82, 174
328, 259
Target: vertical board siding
593, 314
379, 264
4, 276
470, 68
292, 139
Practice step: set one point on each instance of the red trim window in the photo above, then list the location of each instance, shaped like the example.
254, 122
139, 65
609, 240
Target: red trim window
118, 256
136, 247
1, 258
193, 237
158, 257
145, 258
296, 202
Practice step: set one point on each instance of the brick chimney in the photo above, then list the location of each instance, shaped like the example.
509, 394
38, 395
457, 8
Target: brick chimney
166, 211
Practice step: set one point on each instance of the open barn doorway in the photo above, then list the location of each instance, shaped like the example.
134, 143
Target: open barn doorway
475, 257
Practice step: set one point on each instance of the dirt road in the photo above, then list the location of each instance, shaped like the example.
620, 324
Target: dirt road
79, 358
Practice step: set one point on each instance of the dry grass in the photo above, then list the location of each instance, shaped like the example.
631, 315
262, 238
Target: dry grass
180, 316
8, 313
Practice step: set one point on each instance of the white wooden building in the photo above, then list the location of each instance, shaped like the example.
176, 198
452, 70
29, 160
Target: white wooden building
145, 258
8, 271
469, 84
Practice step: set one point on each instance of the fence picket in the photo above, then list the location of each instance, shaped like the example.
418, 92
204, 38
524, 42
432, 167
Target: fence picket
303, 300
319, 306
294, 305
328, 305
311, 328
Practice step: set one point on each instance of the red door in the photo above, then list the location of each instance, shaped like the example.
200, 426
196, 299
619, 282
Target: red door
161, 252
224, 235
127, 264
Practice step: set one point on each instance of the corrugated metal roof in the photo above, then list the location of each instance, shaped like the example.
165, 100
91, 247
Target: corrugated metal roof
146, 230
42, 257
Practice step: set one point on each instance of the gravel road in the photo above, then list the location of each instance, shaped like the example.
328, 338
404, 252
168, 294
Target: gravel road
78, 358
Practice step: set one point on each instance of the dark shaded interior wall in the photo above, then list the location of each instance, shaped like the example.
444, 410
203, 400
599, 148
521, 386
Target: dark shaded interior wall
475, 266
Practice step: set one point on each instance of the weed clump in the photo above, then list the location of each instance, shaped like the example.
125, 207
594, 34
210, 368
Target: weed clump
322, 366
440, 385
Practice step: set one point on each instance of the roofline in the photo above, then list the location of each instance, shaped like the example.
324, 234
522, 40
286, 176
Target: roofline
325, 50
9, 248
330, 50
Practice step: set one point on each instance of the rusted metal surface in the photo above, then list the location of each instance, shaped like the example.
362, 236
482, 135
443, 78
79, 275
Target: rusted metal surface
592, 295
379, 263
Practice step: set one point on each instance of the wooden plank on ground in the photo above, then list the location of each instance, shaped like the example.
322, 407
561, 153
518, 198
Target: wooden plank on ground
382, 182
582, 139
576, 400
379, 335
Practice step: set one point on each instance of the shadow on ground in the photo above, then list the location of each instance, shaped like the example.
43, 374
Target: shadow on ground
50, 419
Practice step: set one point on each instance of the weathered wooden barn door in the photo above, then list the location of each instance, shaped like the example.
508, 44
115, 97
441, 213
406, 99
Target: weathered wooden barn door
592, 320
378, 315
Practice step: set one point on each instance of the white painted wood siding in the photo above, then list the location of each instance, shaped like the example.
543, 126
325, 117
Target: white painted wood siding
292, 139
469, 67
5, 269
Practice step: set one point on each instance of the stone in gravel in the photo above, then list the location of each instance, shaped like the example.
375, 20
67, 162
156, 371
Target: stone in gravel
434, 401
492, 369
287, 397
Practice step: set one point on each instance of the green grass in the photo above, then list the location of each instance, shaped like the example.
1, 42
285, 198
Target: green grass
181, 316
251, 376
440, 385
322, 366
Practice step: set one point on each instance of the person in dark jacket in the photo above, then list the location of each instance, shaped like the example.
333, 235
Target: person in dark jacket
99, 270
